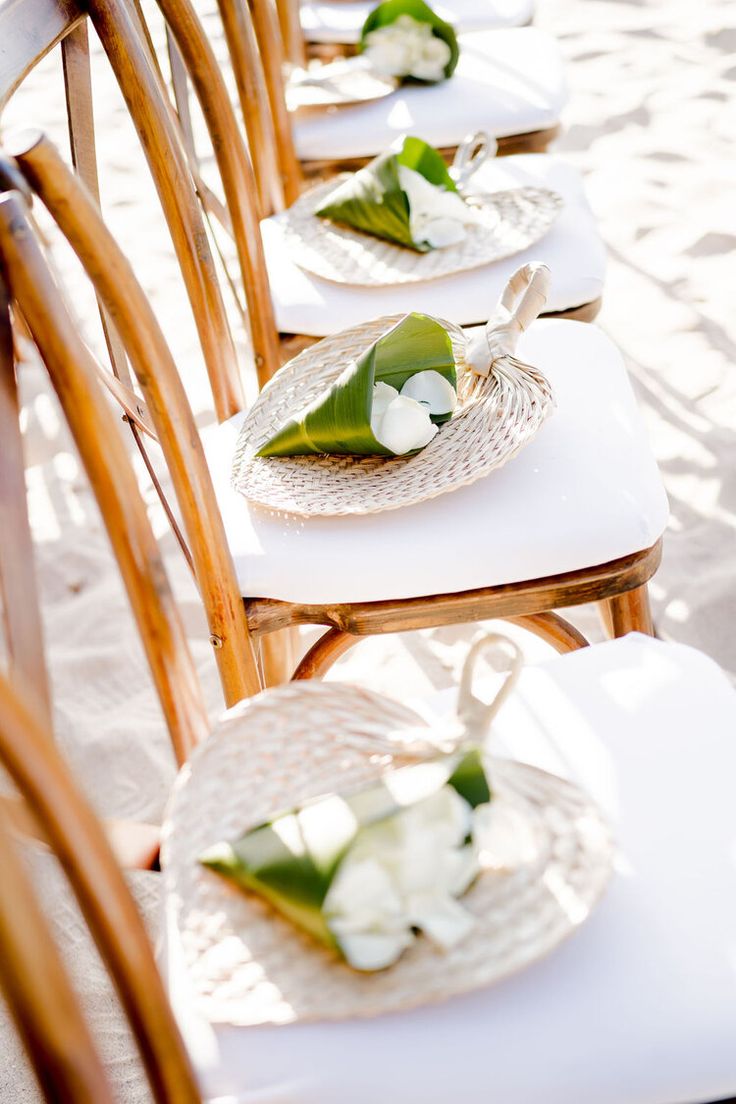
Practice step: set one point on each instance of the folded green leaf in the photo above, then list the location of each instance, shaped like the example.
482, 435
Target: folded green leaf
373, 200
391, 10
292, 860
339, 421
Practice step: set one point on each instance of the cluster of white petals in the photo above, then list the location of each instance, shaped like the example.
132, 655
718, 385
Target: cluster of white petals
401, 421
436, 215
407, 48
404, 874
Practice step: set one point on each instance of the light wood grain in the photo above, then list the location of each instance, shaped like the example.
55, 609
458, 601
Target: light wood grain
39, 772
111, 475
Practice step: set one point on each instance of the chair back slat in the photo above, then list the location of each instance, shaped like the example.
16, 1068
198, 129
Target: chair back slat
80, 222
43, 778
180, 88
165, 411
292, 35
271, 48
140, 85
236, 174
80, 116
103, 455
29, 29
250, 81
23, 631
39, 994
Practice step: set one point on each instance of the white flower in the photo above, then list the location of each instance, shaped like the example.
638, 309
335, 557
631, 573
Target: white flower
407, 48
436, 215
400, 424
430, 61
503, 836
432, 390
401, 874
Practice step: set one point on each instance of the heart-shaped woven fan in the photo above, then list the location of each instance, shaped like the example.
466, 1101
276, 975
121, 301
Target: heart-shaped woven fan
497, 414
512, 220
248, 965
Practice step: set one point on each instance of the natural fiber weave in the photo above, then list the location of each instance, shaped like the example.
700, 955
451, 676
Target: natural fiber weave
512, 221
248, 965
341, 83
495, 417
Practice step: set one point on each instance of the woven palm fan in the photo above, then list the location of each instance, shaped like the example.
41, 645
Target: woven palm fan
341, 83
357, 229
252, 961
502, 402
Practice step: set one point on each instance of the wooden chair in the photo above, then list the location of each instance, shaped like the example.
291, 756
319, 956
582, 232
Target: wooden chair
286, 600
306, 306
282, 600
508, 82
27, 283
332, 27
652, 967
45, 24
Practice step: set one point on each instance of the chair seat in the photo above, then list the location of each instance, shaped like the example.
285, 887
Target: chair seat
585, 491
639, 1005
342, 20
508, 81
572, 249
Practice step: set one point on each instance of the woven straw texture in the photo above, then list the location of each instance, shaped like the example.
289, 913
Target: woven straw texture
512, 221
494, 419
342, 83
248, 965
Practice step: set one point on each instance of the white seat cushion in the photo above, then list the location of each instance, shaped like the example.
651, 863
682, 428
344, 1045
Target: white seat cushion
507, 81
585, 491
572, 249
640, 1004
342, 20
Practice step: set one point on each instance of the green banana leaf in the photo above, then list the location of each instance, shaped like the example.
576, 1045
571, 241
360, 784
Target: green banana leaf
373, 201
389, 12
339, 421
292, 860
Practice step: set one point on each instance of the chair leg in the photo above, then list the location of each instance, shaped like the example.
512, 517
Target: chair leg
604, 611
278, 655
630, 612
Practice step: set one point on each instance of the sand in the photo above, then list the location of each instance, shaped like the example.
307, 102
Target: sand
650, 124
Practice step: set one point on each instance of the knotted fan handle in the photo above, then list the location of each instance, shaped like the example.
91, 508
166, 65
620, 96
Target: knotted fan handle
475, 716
473, 151
521, 302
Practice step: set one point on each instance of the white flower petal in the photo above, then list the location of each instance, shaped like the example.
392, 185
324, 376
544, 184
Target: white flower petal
405, 426
430, 64
436, 215
361, 894
383, 395
503, 837
432, 390
442, 919
462, 868
374, 950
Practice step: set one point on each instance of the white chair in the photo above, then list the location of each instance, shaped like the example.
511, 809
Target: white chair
572, 249
508, 82
340, 21
640, 1004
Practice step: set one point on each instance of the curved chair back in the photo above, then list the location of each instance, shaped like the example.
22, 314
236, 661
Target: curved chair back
26, 281
131, 329
32, 977
29, 35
